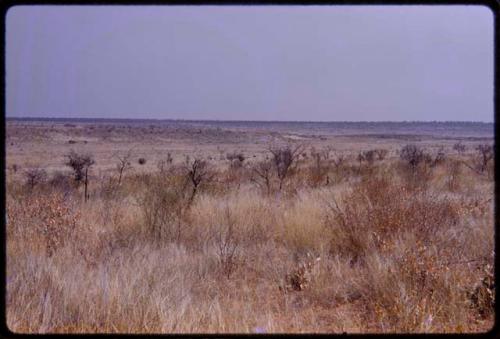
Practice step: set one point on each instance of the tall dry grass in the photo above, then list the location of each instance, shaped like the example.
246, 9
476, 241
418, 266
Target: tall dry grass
377, 248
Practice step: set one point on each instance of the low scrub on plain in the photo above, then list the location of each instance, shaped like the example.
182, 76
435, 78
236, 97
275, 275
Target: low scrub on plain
363, 242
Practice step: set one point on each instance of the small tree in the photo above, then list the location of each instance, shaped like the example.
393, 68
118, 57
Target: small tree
123, 164
197, 173
263, 171
284, 160
80, 163
485, 155
34, 176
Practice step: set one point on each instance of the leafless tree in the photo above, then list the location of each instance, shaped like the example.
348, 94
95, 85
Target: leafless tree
263, 170
198, 172
485, 155
123, 164
34, 176
80, 163
284, 160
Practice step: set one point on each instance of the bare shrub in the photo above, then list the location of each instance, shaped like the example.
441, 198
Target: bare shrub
367, 156
284, 160
263, 175
227, 243
413, 155
163, 204
301, 277
240, 157
34, 176
485, 154
123, 164
459, 147
320, 167
237, 169
482, 296
60, 181
198, 173
437, 159
377, 210
418, 170
381, 153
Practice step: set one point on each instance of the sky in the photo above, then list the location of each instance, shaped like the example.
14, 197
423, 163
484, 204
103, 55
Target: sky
280, 63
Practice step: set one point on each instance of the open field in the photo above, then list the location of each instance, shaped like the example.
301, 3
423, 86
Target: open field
249, 227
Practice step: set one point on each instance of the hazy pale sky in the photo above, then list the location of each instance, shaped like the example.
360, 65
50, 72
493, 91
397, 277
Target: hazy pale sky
313, 63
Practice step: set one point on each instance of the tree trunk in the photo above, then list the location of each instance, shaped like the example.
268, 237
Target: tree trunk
120, 177
86, 182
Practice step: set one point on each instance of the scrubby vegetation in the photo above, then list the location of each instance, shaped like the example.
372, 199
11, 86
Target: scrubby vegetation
366, 241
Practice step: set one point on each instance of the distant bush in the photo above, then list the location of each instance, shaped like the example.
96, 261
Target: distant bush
34, 176
284, 160
412, 154
367, 156
141, 161
319, 170
60, 181
80, 163
485, 154
238, 156
459, 147
262, 175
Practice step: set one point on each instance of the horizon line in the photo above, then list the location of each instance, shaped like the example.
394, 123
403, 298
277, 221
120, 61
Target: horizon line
261, 121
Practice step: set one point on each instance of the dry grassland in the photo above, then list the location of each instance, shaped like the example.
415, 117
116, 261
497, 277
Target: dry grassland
258, 230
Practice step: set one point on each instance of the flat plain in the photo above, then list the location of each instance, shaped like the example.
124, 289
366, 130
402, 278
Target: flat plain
244, 227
